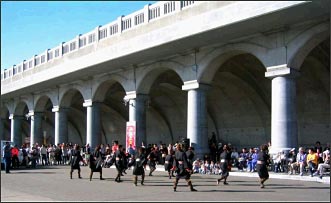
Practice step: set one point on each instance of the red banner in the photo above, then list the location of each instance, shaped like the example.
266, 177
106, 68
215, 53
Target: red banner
131, 134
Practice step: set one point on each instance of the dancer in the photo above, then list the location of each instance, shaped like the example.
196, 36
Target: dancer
119, 162
138, 162
96, 162
76, 157
262, 162
169, 159
180, 165
225, 159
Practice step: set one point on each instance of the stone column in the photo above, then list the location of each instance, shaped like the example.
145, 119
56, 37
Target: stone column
132, 110
16, 129
137, 113
61, 124
36, 135
93, 123
284, 130
197, 128
140, 109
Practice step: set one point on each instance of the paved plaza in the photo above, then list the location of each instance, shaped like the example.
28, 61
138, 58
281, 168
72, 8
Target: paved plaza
52, 183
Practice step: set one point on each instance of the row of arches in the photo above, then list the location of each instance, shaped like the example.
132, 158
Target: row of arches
238, 99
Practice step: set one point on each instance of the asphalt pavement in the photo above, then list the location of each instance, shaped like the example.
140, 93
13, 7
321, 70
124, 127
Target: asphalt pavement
52, 184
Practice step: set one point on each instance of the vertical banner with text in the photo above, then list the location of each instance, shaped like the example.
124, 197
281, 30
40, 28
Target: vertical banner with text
131, 134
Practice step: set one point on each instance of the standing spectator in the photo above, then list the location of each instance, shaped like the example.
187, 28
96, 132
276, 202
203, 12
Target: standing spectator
25, 160
58, 154
7, 156
51, 153
254, 159
65, 157
114, 146
262, 163
43, 152
249, 159
318, 146
14, 159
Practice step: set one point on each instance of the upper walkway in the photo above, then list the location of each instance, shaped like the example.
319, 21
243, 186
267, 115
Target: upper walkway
157, 30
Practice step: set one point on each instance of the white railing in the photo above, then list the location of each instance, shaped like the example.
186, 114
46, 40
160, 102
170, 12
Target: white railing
149, 13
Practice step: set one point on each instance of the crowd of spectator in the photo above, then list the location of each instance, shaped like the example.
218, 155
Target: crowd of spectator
312, 160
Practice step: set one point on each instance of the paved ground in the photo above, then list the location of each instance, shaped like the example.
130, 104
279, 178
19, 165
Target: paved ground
53, 184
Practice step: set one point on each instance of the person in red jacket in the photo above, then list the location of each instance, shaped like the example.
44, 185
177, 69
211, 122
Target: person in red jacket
15, 160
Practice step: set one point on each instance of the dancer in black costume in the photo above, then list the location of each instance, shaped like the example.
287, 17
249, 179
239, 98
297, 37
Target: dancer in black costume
138, 162
263, 159
96, 162
181, 166
225, 159
76, 157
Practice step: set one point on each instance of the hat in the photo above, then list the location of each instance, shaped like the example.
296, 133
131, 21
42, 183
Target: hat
292, 150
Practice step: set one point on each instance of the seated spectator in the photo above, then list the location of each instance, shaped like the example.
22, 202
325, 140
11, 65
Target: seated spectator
292, 158
319, 156
322, 166
235, 157
196, 166
242, 160
207, 167
300, 162
217, 168
283, 161
312, 161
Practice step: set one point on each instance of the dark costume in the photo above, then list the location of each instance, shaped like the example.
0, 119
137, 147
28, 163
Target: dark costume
119, 155
225, 159
76, 157
190, 157
261, 166
138, 169
96, 163
152, 162
181, 166
168, 164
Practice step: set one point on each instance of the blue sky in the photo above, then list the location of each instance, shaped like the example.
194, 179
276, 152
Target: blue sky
31, 27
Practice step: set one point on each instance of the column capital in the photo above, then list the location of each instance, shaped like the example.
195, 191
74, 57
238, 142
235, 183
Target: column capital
281, 70
12, 116
88, 103
34, 113
130, 95
58, 108
194, 84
